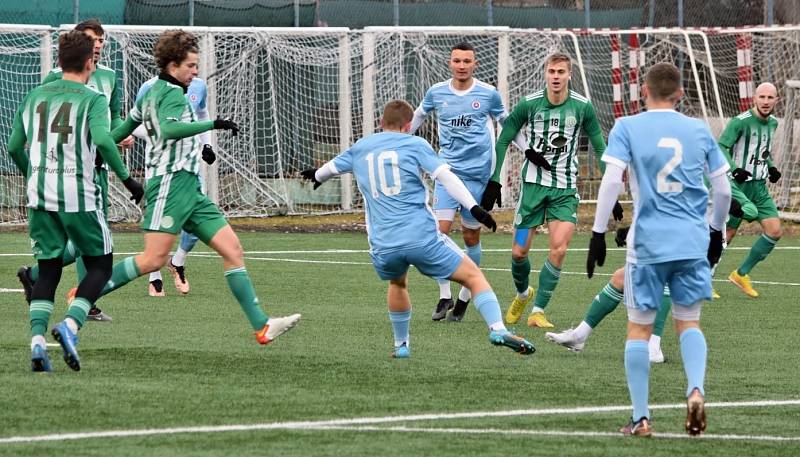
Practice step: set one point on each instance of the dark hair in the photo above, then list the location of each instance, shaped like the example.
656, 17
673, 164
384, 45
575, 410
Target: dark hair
174, 46
463, 46
397, 113
74, 48
557, 57
663, 81
91, 24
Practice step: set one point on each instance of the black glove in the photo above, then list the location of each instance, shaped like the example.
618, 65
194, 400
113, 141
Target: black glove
741, 175
617, 211
774, 174
715, 247
136, 190
483, 217
310, 175
736, 209
226, 124
208, 154
622, 237
491, 195
537, 159
597, 252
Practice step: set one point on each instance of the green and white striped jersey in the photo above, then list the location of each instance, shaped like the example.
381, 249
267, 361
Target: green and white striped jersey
554, 131
164, 103
747, 143
57, 119
103, 80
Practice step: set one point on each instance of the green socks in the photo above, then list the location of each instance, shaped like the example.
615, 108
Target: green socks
242, 288
520, 271
548, 280
78, 310
603, 304
760, 250
661, 316
39, 312
122, 273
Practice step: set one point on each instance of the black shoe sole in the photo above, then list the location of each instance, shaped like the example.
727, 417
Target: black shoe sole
38, 365
72, 362
27, 284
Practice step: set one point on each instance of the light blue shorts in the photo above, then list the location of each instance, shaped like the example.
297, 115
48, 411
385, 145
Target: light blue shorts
437, 259
445, 206
689, 282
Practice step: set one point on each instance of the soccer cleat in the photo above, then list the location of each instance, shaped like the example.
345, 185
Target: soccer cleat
537, 319
695, 413
401, 352
743, 283
714, 294
458, 311
71, 295
156, 288
517, 308
40, 362
444, 305
275, 327
97, 314
179, 275
64, 336
509, 340
568, 339
638, 428
24, 275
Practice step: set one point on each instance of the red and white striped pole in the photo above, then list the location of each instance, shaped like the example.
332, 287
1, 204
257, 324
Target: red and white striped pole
616, 77
744, 69
633, 74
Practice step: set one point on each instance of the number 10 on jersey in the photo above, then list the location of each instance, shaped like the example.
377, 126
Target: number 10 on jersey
380, 163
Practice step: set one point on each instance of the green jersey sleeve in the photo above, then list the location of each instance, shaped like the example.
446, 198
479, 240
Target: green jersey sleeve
16, 142
98, 126
170, 111
729, 137
511, 126
52, 76
591, 126
115, 106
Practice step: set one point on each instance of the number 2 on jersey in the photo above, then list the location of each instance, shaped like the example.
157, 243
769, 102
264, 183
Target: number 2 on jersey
665, 186
380, 164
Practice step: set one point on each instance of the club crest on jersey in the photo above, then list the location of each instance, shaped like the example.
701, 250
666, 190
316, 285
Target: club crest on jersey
167, 222
193, 97
476, 104
570, 122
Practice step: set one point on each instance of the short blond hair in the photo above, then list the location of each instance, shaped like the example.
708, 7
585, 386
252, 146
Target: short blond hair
557, 57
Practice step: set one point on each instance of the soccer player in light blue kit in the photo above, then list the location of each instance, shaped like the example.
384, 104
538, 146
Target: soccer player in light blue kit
669, 242
465, 108
197, 94
400, 225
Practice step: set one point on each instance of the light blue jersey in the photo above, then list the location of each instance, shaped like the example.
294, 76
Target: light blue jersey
197, 93
667, 154
466, 132
387, 168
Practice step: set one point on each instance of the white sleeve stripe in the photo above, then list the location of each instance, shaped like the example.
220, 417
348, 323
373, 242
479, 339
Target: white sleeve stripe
608, 159
721, 170
441, 168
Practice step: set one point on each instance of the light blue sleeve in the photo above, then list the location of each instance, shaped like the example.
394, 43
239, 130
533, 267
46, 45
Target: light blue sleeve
428, 160
427, 102
714, 157
344, 161
142, 90
619, 147
202, 104
498, 111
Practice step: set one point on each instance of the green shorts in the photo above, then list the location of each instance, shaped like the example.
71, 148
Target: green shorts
758, 194
50, 230
175, 201
539, 203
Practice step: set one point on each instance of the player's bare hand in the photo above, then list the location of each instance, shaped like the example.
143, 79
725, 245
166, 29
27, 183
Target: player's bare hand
127, 143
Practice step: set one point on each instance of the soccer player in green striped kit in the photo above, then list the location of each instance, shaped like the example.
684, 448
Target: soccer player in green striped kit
173, 195
747, 142
104, 80
555, 116
57, 132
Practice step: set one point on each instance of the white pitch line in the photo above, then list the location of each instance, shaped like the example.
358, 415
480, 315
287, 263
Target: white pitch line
360, 421
554, 433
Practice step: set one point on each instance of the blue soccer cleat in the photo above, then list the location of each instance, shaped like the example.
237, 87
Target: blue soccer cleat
401, 352
40, 362
509, 340
68, 340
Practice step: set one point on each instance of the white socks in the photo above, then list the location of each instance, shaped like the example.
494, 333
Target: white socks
38, 340
155, 275
179, 259
444, 289
582, 331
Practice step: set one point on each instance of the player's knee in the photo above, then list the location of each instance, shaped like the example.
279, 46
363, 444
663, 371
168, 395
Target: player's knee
150, 262
618, 279
471, 236
399, 282
519, 253
775, 232
558, 252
